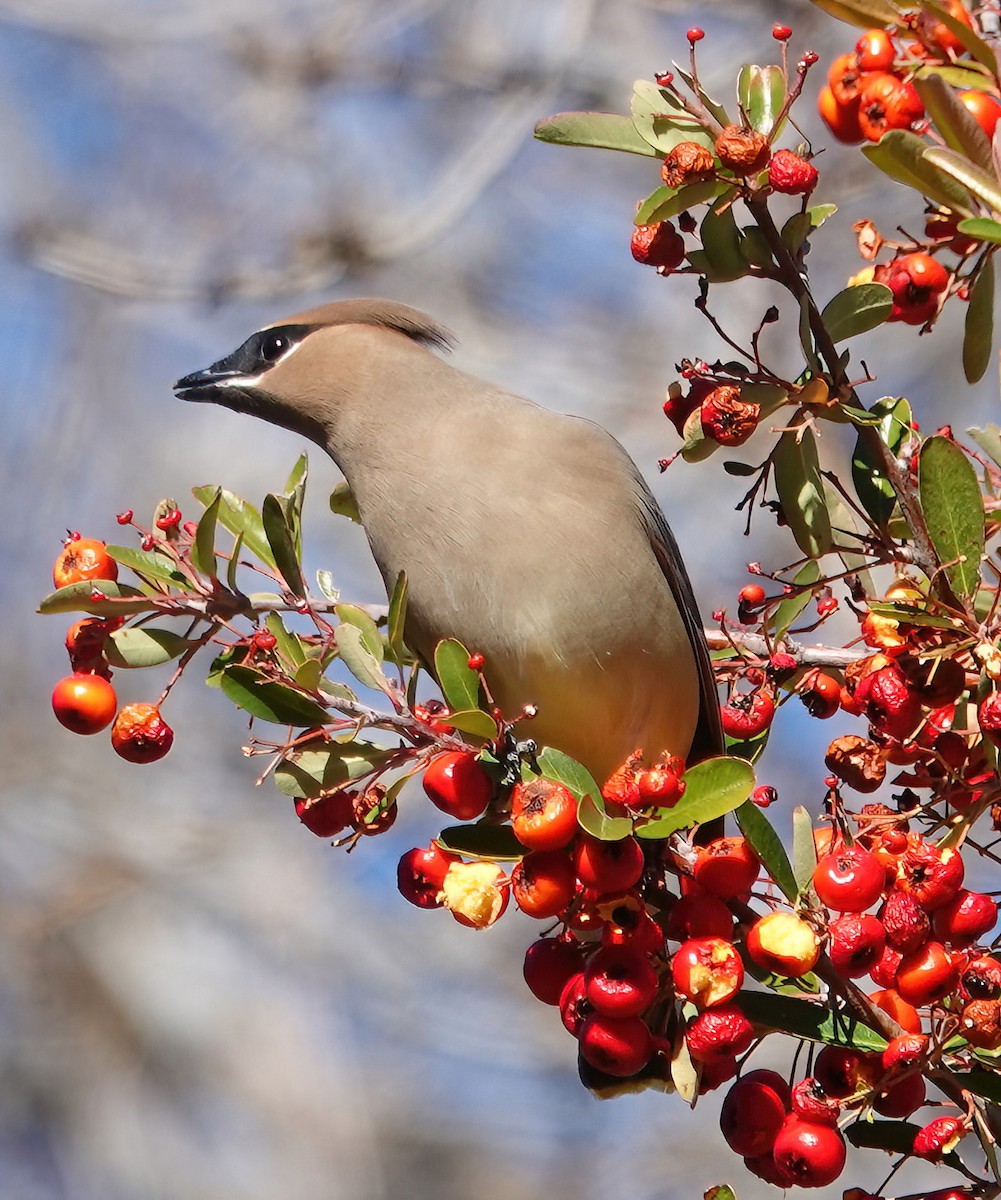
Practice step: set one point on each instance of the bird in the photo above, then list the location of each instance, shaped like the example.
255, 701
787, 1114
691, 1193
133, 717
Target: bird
529, 536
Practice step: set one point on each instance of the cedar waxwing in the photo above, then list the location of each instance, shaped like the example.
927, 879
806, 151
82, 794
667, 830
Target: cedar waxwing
528, 535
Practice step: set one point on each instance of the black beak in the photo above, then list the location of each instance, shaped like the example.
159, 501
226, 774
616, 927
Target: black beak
204, 385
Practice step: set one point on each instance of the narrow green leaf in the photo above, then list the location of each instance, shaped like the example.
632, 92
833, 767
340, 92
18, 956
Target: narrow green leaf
912, 616
767, 845
282, 543
815, 1022
761, 92
857, 309
895, 1137
684, 1072
252, 691
740, 469
397, 619
343, 503
958, 167
864, 13
358, 658
978, 336
667, 202
981, 228
114, 599
371, 638
144, 647
474, 721
150, 564
296, 481
326, 766
239, 517
953, 120
233, 565
901, 155
203, 547
459, 683
804, 848
289, 647
789, 609
714, 106
874, 490
607, 131
801, 491
495, 843
954, 511
713, 788
989, 440
292, 501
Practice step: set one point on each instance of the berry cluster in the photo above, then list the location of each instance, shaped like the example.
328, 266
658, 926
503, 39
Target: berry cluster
85, 701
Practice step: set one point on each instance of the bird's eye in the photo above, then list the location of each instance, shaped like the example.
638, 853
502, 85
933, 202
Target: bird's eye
274, 345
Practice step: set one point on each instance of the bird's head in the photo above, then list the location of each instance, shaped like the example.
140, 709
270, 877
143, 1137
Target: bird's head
299, 371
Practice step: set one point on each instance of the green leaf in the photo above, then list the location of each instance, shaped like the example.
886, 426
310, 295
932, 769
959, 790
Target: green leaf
953, 120
239, 517
895, 1137
607, 131
713, 788
912, 616
343, 503
761, 92
857, 309
958, 167
801, 491
981, 1083
874, 490
474, 721
788, 610
282, 542
740, 469
351, 614
325, 582
749, 749
978, 335
148, 563
804, 1019
865, 13
755, 249
981, 228
459, 683
561, 768
902, 155
203, 546
845, 523
804, 848
252, 691
989, 440
289, 647
358, 658
717, 109
767, 845
144, 647
496, 843
116, 599
296, 483
667, 202
954, 511
308, 675
721, 246
661, 120
293, 497
595, 820
397, 620
232, 566
307, 773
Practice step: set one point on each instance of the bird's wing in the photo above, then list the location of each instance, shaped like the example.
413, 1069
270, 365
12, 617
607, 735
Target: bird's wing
708, 739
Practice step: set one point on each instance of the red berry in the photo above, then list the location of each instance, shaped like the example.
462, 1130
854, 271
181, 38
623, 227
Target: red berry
707, 971
726, 867
784, 944
843, 1072
856, 945
619, 981
841, 118
658, 245
813, 1155
781, 33
457, 784
751, 1117
475, 662
905, 1051
695, 34
124, 518
984, 108
932, 876
83, 559
140, 734
966, 918
748, 716
791, 174
84, 703
543, 814
698, 915
887, 102
989, 717
850, 880
899, 1100
618, 1046
927, 974
938, 1137
326, 815
421, 873
874, 51
917, 282
905, 921
812, 1103
719, 1032
543, 883
902, 1011
549, 964
608, 866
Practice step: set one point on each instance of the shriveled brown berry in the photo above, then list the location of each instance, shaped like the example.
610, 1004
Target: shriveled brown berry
658, 245
371, 814
857, 761
742, 151
688, 162
728, 418
140, 734
980, 1024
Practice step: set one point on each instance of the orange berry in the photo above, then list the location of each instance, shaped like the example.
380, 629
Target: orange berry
84, 703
